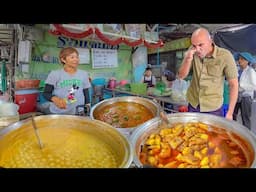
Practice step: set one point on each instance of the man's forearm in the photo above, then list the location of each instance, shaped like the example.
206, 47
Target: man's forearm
186, 63
185, 68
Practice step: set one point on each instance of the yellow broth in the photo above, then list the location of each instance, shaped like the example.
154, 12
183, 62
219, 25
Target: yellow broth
195, 145
62, 148
124, 114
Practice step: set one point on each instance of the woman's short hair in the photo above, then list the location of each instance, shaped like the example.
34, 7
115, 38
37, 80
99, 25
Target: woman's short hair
65, 52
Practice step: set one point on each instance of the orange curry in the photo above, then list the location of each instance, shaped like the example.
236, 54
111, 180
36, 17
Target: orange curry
195, 145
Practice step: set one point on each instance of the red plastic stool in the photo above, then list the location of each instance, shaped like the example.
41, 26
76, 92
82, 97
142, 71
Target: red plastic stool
183, 108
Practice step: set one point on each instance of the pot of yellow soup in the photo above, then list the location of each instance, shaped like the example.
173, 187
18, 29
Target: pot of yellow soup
193, 140
68, 142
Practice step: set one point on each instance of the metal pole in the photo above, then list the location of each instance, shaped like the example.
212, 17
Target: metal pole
14, 61
253, 113
158, 56
3, 76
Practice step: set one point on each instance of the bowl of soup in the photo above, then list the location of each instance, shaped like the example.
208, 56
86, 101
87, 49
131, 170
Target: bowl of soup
193, 140
67, 142
125, 113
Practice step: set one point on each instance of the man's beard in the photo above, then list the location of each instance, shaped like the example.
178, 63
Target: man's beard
201, 55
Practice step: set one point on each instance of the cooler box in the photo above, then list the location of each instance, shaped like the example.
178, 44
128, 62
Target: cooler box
27, 100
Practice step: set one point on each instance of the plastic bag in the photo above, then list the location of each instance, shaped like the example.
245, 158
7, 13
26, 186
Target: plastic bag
179, 90
4, 98
8, 109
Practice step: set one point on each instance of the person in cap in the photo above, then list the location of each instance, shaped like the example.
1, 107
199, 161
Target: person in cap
210, 65
168, 78
148, 78
247, 85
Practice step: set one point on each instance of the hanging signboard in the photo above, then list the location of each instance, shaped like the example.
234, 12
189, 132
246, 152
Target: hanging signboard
104, 58
24, 51
177, 44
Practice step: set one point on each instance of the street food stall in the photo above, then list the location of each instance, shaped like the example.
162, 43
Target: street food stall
123, 131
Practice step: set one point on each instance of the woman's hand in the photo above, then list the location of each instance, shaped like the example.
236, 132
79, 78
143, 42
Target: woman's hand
59, 102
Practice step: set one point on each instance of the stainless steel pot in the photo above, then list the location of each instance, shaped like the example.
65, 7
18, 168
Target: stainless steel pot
142, 132
105, 133
150, 104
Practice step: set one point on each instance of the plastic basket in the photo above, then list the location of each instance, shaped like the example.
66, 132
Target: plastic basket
99, 81
27, 83
161, 86
139, 88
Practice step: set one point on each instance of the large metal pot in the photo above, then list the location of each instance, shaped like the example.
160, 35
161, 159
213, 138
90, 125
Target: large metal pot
142, 133
65, 138
149, 104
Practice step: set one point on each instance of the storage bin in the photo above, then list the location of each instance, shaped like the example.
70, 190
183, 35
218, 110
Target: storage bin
27, 83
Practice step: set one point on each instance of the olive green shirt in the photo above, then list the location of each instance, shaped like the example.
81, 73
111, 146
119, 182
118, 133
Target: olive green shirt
206, 88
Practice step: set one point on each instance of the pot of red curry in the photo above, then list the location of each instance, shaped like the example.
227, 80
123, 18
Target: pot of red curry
193, 140
125, 113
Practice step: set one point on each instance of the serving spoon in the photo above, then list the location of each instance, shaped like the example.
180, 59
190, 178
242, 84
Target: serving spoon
36, 131
162, 113
164, 117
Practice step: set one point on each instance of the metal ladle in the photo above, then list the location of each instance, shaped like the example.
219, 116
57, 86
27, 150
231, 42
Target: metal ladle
164, 117
36, 132
162, 114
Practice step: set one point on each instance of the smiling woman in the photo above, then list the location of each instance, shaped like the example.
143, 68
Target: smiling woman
67, 88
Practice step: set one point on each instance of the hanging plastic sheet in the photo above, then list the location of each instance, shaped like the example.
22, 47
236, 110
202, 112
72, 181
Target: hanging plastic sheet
237, 40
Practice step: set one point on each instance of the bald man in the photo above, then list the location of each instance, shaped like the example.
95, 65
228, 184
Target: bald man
210, 66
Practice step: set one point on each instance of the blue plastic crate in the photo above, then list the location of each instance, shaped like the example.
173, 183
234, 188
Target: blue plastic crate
99, 81
225, 109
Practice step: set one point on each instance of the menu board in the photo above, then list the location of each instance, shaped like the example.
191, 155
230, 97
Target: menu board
84, 55
104, 58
